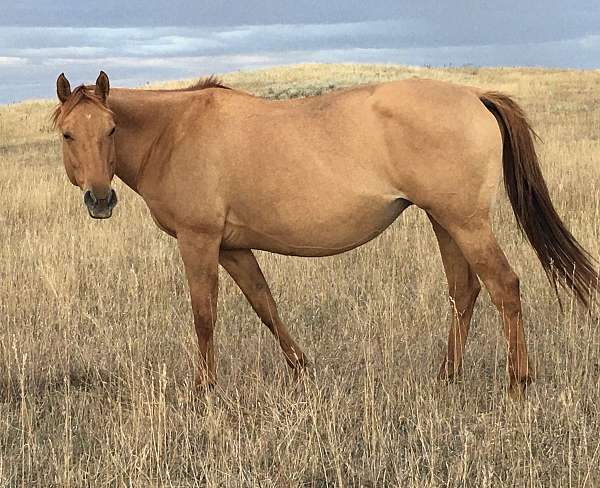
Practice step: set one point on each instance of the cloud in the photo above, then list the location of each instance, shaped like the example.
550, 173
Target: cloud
12, 61
81, 52
42, 45
167, 62
590, 42
459, 22
39, 43
32, 57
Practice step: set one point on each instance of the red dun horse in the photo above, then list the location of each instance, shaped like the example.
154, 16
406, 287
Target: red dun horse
225, 172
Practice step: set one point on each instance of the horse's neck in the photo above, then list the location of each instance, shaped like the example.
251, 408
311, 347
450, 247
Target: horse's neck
139, 122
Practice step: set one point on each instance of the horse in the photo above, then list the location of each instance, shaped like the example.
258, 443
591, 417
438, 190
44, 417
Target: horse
225, 173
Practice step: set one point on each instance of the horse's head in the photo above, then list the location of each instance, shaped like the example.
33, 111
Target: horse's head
88, 127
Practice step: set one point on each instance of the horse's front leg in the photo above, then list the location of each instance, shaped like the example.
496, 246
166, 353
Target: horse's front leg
200, 254
244, 269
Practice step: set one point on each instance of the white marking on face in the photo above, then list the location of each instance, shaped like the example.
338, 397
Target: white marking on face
88, 116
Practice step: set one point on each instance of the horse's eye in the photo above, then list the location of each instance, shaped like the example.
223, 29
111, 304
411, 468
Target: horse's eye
67, 136
112, 131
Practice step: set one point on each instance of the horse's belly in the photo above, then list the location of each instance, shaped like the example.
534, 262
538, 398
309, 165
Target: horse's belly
309, 230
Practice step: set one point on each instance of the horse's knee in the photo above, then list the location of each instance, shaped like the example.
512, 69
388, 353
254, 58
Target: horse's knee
511, 282
464, 296
261, 287
505, 293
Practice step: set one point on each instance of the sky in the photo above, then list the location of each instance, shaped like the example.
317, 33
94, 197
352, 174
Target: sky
138, 41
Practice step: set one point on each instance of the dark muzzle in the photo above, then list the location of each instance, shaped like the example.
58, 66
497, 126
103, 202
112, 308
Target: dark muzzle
100, 208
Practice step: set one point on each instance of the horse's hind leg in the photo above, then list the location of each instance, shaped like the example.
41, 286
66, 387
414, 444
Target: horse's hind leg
245, 271
477, 242
463, 289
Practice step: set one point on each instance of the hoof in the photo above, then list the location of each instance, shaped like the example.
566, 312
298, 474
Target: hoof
517, 391
203, 386
298, 365
449, 373
300, 372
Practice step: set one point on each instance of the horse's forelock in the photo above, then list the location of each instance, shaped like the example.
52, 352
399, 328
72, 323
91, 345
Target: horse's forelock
80, 93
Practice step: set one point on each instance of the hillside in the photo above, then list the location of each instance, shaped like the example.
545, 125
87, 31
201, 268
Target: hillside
97, 344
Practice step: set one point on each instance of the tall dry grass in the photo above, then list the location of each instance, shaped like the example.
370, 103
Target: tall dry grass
97, 348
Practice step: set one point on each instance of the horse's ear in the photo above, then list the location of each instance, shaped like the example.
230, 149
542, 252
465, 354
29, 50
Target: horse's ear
63, 88
102, 86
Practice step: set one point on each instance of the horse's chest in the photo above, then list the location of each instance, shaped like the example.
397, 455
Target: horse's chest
162, 221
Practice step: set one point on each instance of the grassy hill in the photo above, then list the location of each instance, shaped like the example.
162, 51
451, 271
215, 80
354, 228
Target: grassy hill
97, 344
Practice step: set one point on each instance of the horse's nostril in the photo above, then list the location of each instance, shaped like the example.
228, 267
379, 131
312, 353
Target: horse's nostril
112, 197
89, 199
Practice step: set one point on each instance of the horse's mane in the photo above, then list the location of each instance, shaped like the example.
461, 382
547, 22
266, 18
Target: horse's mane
83, 92
211, 81
80, 93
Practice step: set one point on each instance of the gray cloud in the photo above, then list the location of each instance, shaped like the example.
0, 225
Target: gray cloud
31, 57
42, 43
458, 22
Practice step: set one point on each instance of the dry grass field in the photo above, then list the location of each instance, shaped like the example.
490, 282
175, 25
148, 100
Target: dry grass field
97, 348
